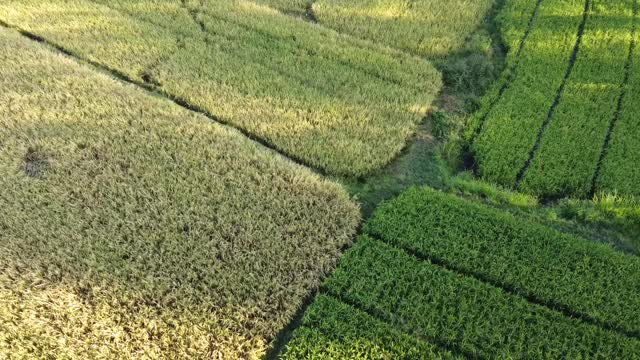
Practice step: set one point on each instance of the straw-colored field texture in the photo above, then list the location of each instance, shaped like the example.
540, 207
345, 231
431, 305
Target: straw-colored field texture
568, 88
429, 28
331, 101
132, 228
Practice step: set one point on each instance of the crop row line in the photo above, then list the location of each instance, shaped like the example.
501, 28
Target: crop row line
380, 315
558, 97
154, 90
564, 310
623, 93
511, 74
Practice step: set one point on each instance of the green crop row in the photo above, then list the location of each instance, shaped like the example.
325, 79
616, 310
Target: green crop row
331, 101
572, 143
464, 313
511, 127
620, 169
588, 279
132, 228
429, 28
333, 330
514, 22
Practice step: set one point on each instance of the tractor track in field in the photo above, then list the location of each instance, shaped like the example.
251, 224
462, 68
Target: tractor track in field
556, 101
623, 93
156, 91
530, 298
511, 75
193, 13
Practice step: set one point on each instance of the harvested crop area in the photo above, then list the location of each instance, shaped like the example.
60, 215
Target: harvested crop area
546, 128
428, 28
132, 228
340, 105
467, 280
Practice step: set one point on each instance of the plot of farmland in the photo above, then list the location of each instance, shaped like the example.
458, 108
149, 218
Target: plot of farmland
338, 104
429, 28
459, 279
131, 228
556, 124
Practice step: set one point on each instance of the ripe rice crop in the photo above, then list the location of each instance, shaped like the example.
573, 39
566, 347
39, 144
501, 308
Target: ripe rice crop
132, 228
338, 104
429, 28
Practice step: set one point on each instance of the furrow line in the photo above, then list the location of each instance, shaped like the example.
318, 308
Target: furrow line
381, 316
558, 97
530, 298
511, 75
623, 93
154, 90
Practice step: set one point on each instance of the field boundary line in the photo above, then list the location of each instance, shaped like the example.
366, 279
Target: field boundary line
371, 74
380, 316
556, 101
205, 38
563, 310
512, 73
621, 98
153, 90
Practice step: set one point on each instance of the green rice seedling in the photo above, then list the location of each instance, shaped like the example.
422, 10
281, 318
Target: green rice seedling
132, 228
511, 127
571, 145
620, 172
515, 21
333, 330
463, 313
589, 280
333, 102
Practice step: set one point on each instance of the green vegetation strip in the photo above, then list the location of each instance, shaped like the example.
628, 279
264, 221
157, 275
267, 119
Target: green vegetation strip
482, 321
133, 228
515, 28
571, 145
334, 330
620, 171
429, 28
333, 102
585, 279
502, 148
